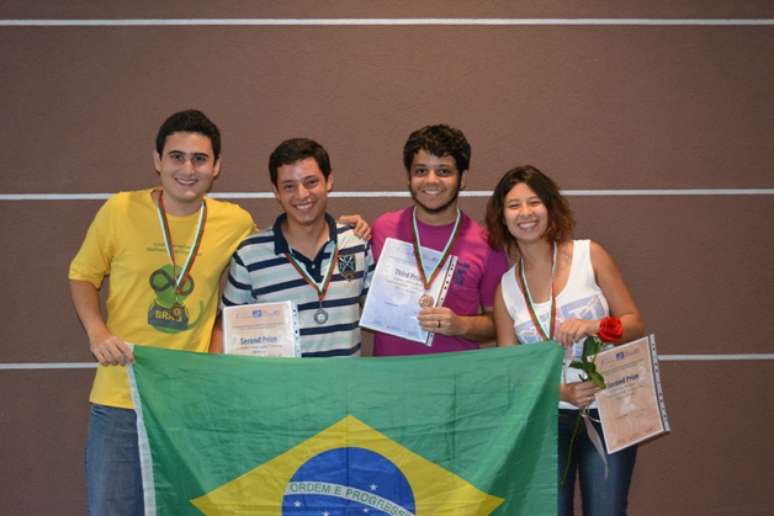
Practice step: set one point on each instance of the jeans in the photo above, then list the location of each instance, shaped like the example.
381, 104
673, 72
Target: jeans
113, 477
600, 497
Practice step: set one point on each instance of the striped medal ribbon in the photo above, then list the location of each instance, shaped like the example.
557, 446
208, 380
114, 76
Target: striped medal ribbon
182, 276
320, 315
426, 299
524, 287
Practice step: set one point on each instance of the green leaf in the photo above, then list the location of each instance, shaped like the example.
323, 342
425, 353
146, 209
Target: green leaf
591, 346
597, 378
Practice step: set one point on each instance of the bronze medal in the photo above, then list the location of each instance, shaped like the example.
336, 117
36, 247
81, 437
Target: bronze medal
426, 301
427, 278
177, 311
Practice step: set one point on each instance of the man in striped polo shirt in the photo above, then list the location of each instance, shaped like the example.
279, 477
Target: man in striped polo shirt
305, 257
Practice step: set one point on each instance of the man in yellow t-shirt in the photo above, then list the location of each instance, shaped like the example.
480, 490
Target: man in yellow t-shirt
164, 249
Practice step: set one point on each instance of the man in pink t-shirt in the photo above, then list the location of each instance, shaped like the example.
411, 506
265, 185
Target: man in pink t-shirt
436, 158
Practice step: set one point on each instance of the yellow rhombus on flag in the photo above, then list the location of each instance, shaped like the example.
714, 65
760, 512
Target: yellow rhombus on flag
322, 474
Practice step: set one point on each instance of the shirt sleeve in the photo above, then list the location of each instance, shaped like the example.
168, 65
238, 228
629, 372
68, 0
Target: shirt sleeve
248, 225
378, 236
496, 266
238, 289
93, 260
369, 267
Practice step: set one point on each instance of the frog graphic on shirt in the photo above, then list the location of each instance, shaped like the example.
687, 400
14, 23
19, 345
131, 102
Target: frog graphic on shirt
168, 312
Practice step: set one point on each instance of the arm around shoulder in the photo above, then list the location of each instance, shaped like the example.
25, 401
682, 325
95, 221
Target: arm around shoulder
619, 299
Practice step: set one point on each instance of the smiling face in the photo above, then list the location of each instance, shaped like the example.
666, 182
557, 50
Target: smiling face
187, 168
524, 214
302, 191
434, 183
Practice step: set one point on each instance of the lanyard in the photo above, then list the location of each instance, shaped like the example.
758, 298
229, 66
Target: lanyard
192, 252
427, 279
321, 288
524, 287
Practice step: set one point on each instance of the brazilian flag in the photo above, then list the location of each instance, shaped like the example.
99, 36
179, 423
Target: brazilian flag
467, 433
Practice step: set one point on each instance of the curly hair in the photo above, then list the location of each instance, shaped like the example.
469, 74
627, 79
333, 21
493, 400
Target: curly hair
439, 140
560, 217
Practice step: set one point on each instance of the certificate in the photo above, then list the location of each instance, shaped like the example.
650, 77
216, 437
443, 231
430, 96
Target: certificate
263, 329
393, 301
631, 407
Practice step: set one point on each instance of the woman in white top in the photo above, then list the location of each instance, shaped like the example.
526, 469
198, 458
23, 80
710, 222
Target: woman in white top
559, 289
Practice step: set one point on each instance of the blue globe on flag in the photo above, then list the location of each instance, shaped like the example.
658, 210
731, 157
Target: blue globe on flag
347, 481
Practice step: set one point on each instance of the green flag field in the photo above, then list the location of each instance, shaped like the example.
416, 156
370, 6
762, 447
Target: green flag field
467, 433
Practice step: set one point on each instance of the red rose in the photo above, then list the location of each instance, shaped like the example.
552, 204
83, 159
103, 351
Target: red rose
610, 329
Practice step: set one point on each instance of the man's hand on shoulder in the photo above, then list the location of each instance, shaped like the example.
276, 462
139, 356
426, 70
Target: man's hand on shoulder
359, 225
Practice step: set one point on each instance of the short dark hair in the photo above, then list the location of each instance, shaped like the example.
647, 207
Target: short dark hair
560, 218
189, 121
296, 149
439, 140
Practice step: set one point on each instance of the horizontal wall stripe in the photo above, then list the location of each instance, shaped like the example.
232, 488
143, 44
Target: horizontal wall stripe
715, 358
663, 358
666, 192
47, 365
55, 197
343, 22
645, 192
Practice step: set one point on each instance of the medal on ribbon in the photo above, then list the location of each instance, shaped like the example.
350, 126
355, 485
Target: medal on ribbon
185, 270
321, 314
426, 300
172, 284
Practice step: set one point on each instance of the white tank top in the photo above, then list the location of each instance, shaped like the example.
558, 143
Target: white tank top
581, 298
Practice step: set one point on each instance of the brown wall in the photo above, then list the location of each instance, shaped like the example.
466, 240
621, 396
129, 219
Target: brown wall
597, 107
